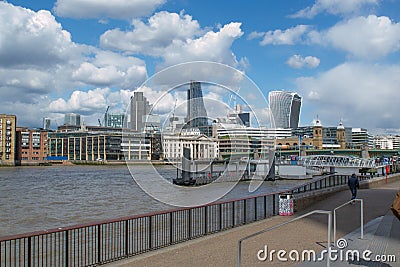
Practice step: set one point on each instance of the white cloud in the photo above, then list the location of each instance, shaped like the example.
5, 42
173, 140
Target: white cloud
117, 9
81, 102
151, 38
363, 95
33, 39
108, 69
176, 38
298, 62
365, 37
368, 38
213, 46
289, 36
335, 7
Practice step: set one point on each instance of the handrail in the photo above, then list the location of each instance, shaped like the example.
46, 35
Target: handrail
284, 223
361, 217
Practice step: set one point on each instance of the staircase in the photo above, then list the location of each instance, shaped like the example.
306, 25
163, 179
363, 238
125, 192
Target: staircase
381, 237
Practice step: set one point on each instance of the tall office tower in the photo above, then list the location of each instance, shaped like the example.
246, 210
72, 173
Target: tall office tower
46, 123
285, 108
140, 107
72, 119
196, 111
8, 139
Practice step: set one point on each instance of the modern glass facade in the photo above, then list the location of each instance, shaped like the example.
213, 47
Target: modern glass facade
115, 120
285, 108
196, 111
72, 119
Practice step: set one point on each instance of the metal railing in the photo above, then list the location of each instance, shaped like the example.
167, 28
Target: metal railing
110, 240
329, 213
361, 217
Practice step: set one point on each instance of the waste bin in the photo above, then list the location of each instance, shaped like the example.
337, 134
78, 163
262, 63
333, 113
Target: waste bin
286, 205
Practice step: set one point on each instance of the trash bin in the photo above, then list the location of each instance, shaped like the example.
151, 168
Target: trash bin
286, 205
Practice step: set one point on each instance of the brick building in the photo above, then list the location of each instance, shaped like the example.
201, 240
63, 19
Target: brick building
31, 145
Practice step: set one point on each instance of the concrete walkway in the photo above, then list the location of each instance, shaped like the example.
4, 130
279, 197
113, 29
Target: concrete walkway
306, 234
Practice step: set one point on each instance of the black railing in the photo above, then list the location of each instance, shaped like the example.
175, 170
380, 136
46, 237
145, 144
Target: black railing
102, 242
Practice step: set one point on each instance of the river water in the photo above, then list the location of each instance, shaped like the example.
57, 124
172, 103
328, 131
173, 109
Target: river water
40, 198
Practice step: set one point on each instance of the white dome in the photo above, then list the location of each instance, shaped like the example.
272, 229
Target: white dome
340, 126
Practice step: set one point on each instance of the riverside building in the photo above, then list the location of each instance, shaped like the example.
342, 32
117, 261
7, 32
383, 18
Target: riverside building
100, 144
201, 147
31, 145
8, 139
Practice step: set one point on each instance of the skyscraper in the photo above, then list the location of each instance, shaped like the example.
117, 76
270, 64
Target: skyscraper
46, 123
196, 111
72, 119
140, 107
285, 108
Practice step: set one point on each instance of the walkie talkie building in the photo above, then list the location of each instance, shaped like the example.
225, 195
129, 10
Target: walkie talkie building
285, 108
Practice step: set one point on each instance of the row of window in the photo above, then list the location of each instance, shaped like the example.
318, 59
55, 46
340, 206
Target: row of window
33, 158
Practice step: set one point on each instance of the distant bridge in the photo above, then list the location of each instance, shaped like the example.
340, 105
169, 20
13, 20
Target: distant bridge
337, 161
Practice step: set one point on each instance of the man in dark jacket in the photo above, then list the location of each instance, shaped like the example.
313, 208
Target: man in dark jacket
353, 184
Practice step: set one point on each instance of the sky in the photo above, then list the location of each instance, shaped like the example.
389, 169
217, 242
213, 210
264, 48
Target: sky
81, 56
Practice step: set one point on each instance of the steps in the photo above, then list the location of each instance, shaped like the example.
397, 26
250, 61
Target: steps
381, 238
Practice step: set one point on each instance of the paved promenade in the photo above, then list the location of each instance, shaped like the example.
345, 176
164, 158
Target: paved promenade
306, 234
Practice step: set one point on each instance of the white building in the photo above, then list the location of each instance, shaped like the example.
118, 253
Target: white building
360, 138
230, 129
386, 142
201, 147
239, 141
136, 146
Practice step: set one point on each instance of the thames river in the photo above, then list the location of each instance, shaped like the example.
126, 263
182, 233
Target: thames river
41, 198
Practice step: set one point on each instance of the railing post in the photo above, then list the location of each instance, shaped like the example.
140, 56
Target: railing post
265, 207
255, 209
29, 252
190, 224
220, 217
329, 238
362, 218
205, 219
126, 238
99, 243
244, 211
233, 214
66, 244
170, 228
274, 204
150, 232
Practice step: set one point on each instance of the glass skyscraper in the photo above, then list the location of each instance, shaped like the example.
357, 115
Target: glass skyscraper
72, 119
196, 111
285, 108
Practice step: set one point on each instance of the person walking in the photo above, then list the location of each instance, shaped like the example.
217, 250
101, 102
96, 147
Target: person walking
353, 185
